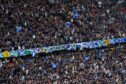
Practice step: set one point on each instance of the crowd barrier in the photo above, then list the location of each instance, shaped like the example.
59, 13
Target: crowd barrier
74, 46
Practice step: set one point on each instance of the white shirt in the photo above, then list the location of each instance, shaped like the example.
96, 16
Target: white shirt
23, 47
19, 47
107, 10
33, 36
23, 68
8, 33
23, 77
99, 3
25, 23
1, 65
26, 71
66, 72
40, 68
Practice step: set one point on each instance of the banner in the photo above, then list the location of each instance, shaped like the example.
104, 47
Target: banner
74, 46
14, 53
107, 42
6, 54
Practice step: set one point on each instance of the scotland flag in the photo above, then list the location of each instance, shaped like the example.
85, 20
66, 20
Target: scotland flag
54, 65
21, 52
75, 13
33, 53
86, 59
19, 29
1, 56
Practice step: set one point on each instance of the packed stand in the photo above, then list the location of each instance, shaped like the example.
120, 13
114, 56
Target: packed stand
96, 66
36, 23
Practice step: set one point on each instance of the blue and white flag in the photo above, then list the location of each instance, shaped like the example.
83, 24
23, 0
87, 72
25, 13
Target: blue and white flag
86, 59
37, 50
119, 40
84, 45
112, 41
71, 47
19, 29
1, 55
50, 49
78, 46
91, 45
33, 53
96, 44
68, 24
68, 47
62, 47
45, 59
21, 52
54, 65
75, 13
124, 39
59, 47
81, 46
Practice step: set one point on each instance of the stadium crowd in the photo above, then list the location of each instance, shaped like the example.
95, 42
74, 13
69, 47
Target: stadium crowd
35, 23
96, 66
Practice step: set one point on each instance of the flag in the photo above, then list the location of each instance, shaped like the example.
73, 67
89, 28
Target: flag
44, 50
75, 13
112, 41
27, 52
78, 46
119, 40
6, 54
67, 47
107, 42
21, 52
37, 50
85, 45
1, 55
68, 24
54, 65
124, 39
91, 45
14, 53
74, 46
86, 58
96, 44
19, 29
49, 49
70, 47
62, 47
33, 53
82, 45
57, 48
100, 43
